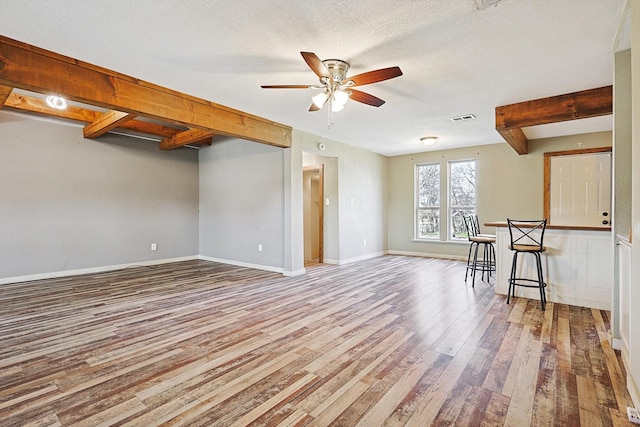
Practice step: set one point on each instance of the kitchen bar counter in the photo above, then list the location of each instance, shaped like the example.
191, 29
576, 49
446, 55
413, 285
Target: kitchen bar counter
577, 265
552, 227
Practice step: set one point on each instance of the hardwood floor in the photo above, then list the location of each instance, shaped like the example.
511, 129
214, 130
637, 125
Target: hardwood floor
390, 341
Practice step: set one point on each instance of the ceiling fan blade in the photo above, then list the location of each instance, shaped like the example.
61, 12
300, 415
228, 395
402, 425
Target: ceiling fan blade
316, 64
286, 87
365, 98
314, 107
375, 76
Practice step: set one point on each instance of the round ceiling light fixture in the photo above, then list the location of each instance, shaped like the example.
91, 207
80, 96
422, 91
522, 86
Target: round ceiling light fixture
56, 102
428, 140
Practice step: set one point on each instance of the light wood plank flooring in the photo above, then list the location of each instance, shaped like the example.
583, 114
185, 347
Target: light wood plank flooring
390, 341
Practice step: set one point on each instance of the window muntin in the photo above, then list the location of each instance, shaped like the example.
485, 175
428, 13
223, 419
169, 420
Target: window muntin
428, 201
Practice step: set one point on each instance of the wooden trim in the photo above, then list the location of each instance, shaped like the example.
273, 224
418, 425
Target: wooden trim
321, 214
547, 174
31, 68
510, 119
5, 91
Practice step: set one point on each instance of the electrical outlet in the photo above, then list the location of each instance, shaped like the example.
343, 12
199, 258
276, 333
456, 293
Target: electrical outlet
259, 247
154, 246
365, 242
633, 414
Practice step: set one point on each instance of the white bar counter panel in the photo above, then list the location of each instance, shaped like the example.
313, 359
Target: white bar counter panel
577, 265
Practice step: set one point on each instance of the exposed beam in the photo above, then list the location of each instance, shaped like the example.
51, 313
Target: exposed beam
107, 121
31, 68
5, 91
510, 119
191, 136
516, 138
39, 106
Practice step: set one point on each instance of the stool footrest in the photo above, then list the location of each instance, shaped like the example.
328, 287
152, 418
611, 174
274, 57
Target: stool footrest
526, 285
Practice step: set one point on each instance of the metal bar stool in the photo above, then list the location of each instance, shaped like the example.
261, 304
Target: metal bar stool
527, 238
487, 263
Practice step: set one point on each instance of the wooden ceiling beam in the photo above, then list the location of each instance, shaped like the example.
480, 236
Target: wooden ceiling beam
36, 105
5, 91
31, 68
510, 119
190, 136
107, 121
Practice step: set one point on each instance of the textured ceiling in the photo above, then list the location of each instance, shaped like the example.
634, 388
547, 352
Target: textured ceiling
456, 59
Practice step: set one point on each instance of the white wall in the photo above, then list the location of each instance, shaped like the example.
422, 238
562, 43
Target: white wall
69, 203
634, 298
242, 198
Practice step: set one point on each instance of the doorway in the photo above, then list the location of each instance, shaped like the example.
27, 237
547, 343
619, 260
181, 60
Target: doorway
313, 211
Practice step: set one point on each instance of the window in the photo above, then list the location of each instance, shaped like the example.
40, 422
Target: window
462, 196
428, 201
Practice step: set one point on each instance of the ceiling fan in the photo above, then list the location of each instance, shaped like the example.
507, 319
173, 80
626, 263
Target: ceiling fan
336, 87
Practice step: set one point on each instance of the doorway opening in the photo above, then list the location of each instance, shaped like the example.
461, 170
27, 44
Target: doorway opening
313, 210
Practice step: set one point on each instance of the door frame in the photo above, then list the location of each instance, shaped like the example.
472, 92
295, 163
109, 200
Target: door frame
547, 171
320, 201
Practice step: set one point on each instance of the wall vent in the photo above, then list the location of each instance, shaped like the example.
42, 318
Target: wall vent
483, 4
463, 118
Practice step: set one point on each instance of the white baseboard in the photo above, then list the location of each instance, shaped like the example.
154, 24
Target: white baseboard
616, 343
429, 255
243, 264
557, 297
294, 272
92, 270
354, 259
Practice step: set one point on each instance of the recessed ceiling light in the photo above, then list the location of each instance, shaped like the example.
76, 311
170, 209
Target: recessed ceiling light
56, 102
429, 140
463, 118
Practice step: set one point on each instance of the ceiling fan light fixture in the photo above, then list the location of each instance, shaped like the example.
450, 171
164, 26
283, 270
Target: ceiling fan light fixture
335, 107
428, 140
320, 99
56, 102
340, 97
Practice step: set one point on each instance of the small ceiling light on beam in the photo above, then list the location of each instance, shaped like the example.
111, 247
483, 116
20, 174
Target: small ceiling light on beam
56, 102
429, 140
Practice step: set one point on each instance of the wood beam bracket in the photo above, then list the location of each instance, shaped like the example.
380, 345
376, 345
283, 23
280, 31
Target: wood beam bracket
190, 136
107, 121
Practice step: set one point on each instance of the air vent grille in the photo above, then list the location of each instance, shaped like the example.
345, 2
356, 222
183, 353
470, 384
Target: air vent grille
463, 118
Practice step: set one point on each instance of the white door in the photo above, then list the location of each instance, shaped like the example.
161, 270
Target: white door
581, 190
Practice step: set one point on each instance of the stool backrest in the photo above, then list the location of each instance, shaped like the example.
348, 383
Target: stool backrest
470, 226
527, 232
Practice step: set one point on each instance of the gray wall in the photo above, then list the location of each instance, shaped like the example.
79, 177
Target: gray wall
507, 185
70, 203
242, 203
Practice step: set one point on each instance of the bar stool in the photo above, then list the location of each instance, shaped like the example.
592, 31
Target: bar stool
487, 263
526, 238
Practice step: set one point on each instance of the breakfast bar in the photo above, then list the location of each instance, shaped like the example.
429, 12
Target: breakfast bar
577, 265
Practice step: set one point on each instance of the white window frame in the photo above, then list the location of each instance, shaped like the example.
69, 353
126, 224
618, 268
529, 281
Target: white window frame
418, 208
470, 209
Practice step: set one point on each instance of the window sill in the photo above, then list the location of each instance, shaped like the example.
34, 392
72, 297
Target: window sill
449, 242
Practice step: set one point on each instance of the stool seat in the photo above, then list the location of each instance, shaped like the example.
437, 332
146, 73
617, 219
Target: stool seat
527, 248
526, 238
